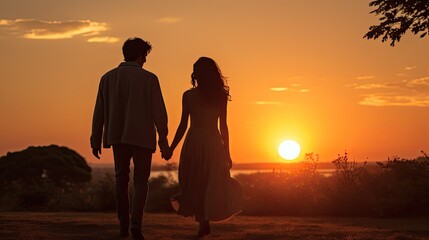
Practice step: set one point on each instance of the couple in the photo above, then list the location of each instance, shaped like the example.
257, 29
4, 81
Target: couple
130, 109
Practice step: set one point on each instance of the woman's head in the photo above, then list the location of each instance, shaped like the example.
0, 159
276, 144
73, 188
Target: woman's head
209, 79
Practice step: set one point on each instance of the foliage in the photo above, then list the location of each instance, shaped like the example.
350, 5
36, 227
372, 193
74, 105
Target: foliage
18, 196
298, 191
280, 193
398, 16
406, 168
395, 188
39, 178
103, 194
161, 189
308, 166
348, 172
347, 186
404, 187
60, 166
76, 199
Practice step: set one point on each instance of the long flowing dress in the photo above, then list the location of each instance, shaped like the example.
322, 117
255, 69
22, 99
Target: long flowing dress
207, 190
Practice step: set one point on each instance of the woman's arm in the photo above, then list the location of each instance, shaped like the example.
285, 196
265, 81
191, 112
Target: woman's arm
224, 131
183, 123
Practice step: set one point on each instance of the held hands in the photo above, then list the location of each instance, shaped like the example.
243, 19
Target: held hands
96, 151
166, 154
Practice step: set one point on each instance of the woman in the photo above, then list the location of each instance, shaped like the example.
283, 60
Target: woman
207, 190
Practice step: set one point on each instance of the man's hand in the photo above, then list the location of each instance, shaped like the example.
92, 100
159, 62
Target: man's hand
96, 151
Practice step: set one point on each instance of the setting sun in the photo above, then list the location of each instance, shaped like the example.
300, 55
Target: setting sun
289, 149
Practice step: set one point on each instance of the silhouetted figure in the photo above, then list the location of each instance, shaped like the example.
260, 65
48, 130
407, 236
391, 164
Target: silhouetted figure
207, 190
128, 112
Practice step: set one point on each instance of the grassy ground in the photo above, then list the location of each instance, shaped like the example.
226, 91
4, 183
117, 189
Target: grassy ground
70, 226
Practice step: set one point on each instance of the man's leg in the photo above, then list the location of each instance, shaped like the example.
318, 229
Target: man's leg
122, 154
142, 159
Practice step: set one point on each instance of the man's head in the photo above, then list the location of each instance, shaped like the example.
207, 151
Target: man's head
136, 49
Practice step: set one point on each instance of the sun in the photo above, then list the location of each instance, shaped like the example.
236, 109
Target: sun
289, 149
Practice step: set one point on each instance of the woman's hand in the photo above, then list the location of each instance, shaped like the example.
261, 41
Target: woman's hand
229, 162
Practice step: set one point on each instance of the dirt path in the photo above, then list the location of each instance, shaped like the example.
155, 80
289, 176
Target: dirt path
88, 226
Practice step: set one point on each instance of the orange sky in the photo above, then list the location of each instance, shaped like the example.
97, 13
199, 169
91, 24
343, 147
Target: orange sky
298, 69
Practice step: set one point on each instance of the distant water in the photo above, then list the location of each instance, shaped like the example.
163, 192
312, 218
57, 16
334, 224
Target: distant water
98, 172
173, 174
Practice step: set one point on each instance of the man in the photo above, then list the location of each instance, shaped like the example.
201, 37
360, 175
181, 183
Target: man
128, 112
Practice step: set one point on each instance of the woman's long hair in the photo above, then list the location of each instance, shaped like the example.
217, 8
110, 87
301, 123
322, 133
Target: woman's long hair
209, 79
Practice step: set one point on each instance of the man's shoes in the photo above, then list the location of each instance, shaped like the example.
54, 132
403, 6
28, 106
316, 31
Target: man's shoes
136, 235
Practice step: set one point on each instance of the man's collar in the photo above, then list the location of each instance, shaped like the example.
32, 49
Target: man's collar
129, 63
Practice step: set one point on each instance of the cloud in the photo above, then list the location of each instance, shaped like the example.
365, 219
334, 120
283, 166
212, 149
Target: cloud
295, 87
410, 68
407, 92
418, 82
5, 22
103, 40
267, 103
169, 20
380, 100
278, 89
40, 29
372, 86
365, 77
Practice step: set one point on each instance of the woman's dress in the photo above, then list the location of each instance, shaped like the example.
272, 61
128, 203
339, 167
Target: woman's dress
207, 191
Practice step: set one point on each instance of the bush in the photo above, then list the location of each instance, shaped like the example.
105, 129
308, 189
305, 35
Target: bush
103, 194
42, 178
403, 187
298, 191
161, 189
395, 188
